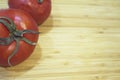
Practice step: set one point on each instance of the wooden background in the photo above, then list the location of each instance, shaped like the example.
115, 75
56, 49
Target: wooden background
79, 41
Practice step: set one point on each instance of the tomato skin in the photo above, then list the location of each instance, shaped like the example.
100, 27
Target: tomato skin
23, 21
39, 11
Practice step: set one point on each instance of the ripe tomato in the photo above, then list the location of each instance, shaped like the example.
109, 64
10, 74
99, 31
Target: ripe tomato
18, 35
39, 9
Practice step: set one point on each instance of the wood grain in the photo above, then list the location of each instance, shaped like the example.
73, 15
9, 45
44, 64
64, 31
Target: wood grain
79, 41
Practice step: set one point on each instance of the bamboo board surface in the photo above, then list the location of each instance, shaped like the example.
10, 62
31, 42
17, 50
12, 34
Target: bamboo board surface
79, 41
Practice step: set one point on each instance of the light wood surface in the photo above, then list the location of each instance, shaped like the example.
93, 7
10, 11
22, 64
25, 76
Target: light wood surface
79, 41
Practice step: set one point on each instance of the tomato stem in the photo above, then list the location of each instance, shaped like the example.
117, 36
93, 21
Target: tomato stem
8, 23
40, 1
14, 52
15, 35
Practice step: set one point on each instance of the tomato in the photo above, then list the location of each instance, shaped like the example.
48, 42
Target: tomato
39, 9
18, 36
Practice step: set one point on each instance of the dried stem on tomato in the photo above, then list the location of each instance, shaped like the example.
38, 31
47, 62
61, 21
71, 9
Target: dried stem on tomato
15, 35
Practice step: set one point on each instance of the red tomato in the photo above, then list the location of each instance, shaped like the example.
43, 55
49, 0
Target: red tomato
16, 31
39, 9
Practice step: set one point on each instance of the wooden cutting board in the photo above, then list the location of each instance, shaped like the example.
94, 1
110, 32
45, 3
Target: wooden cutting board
79, 41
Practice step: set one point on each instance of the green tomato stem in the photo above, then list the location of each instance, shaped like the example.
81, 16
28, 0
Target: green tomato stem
15, 35
40, 1
14, 52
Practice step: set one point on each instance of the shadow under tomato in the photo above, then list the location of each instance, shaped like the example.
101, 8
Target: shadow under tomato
4, 74
25, 66
47, 25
